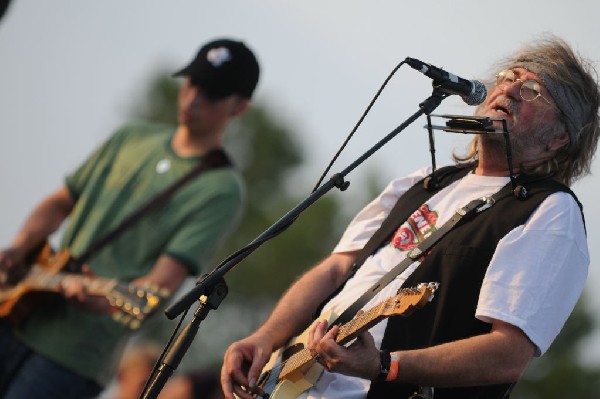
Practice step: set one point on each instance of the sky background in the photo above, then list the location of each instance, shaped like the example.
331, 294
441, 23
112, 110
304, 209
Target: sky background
72, 70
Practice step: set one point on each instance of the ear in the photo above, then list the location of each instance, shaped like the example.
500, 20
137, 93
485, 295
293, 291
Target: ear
240, 107
558, 143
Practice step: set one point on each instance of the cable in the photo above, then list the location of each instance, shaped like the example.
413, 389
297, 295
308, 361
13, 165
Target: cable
360, 121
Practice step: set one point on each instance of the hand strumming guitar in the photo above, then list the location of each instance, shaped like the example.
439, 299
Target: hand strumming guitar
11, 260
243, 363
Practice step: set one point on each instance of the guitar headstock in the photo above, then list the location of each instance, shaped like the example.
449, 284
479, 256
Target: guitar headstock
409, 299
134, 303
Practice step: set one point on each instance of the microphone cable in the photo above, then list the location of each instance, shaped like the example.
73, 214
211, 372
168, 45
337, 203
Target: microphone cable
360, 121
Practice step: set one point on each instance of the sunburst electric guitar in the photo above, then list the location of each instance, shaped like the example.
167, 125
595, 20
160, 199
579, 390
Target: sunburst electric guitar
292, 370
132, 303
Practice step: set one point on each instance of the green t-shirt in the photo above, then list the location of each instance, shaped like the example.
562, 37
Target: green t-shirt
122, 175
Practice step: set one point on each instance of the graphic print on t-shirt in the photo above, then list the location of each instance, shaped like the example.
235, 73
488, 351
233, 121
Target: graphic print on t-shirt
419, 226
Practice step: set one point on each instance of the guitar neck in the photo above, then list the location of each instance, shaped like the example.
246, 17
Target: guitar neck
45, 281
361, 322
131, 303
346, 333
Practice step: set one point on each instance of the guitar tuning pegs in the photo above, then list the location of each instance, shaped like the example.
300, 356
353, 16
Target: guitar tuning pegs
152, 300
433, 286
117, 316
126, 319
134, 324
151, 287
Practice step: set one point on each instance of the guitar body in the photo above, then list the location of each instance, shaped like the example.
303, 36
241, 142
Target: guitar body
17, 301
292, 389
299, 380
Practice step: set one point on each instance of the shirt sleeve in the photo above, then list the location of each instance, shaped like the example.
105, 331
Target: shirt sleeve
538, 272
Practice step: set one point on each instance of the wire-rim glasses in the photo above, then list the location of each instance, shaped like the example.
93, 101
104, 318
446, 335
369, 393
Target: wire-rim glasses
529, 90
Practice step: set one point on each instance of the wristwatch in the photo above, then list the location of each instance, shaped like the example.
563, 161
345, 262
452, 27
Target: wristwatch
384, 368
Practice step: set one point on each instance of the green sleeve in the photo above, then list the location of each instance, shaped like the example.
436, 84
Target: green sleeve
196, 241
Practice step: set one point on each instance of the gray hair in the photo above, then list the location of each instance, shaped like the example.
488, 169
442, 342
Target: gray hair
573, 83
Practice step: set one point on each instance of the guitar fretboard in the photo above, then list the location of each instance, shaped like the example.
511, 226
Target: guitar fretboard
372, 316
45, 281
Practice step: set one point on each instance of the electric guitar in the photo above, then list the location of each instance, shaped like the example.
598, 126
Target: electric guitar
293, 369
132, 304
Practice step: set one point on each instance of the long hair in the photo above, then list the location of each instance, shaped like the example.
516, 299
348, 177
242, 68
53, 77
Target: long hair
574, 75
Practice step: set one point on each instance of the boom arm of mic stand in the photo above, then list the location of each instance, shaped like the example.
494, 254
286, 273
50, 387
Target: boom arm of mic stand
186, 301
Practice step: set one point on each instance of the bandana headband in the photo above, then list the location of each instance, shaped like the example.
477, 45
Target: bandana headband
565, 98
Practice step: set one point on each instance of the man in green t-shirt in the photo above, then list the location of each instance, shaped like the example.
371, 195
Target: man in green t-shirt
70, 348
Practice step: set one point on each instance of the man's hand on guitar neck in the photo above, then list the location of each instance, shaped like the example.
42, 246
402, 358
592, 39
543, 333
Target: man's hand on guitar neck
75, 289
359, 359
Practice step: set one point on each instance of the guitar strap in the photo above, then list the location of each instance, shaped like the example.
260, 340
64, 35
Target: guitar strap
467, 212
214, 159
399, 213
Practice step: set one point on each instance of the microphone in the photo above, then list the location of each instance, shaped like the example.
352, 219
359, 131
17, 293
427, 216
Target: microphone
473, 92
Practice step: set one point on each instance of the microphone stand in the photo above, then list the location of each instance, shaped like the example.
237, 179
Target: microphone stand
185, 339
211, 288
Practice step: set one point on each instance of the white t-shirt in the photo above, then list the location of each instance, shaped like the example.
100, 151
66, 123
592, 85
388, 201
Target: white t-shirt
533, 281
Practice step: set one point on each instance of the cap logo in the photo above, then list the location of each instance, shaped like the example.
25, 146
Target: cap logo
218, 56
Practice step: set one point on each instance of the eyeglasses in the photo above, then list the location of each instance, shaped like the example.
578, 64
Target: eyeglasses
530, 89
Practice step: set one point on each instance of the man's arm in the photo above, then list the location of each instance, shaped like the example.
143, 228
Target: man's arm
167, 273
292, 314
499, 356
45, 219
295, 309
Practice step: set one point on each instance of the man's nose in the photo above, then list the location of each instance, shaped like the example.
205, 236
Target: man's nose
513, 89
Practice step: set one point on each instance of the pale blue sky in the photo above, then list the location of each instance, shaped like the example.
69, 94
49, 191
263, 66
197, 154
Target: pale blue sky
70, 71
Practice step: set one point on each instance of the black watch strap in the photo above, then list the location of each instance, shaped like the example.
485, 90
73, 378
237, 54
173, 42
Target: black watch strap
384, 370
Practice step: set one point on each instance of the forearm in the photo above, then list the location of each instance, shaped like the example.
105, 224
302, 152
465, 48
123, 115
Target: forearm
294, 310
166, 273
44, 220
498, 357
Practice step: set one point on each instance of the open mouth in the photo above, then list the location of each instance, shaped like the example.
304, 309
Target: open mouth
502, 110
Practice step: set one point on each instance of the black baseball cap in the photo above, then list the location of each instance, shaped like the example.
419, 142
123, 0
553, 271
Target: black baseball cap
223, 67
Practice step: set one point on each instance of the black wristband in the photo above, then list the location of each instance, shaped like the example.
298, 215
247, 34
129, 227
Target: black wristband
384, 368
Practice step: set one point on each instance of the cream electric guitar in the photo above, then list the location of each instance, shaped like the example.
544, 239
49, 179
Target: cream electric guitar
292, 370
132, 304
